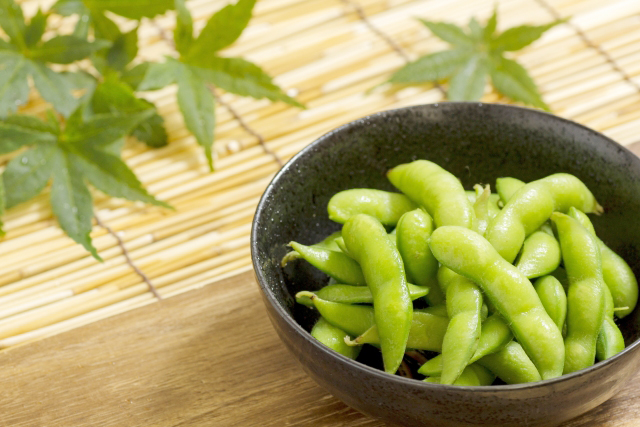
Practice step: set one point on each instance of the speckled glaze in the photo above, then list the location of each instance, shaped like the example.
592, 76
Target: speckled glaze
477, 143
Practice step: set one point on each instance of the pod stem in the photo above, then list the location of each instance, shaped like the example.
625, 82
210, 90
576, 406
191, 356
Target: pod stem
351, 343
307, 294
291, 256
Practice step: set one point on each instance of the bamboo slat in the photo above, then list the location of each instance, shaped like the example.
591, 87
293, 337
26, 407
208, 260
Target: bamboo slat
324, 54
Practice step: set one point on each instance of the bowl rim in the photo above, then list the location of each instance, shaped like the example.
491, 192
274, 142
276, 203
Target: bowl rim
365, 369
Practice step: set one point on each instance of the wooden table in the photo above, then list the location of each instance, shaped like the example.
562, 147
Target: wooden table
209, 357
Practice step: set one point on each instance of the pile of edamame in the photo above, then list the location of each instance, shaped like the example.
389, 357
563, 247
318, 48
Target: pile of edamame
513, 285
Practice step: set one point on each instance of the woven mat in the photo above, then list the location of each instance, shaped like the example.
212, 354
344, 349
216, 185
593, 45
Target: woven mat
327, 53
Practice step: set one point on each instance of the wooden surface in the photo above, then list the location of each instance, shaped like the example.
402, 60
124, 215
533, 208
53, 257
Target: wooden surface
208, 357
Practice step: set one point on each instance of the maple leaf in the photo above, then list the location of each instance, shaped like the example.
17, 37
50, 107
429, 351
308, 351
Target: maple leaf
477, 54
25, 54
70, 159
115, 88
199, 67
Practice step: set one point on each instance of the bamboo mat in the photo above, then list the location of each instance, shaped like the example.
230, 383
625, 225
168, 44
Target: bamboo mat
327, 53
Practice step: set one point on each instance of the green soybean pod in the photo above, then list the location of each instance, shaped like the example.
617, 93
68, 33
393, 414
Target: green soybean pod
412, 232
333, 338
352, 318
385, 206
511, 365
342, 247
334, 263
426, 332
432, 367
383, 269
435, 189
464, 305
437, 310
493, 205
553, 298
507, 187
616, 272
328, 242
471, 255
472, 376
494, 335
481, 208
348, 294
532, 205
586, 297
610, 340
540, 255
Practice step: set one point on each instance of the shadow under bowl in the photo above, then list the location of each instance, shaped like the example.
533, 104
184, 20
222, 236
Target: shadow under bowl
478, 143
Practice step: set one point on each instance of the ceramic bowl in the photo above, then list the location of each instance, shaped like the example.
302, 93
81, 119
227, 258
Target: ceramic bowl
477, 143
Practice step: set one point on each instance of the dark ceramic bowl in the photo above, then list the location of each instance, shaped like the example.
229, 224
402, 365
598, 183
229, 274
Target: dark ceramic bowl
477, 143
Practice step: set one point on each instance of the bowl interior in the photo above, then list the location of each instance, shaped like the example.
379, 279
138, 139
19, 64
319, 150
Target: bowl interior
476, 142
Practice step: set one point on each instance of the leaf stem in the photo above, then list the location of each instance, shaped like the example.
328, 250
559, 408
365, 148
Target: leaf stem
246, 127
127, 257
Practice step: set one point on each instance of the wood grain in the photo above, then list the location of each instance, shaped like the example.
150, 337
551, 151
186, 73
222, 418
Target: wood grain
208, 357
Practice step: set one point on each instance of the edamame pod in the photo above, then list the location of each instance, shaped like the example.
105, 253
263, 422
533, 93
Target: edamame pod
432, 367
341, 246
511, 365
493, 206
437, 310
540, 255
481, 208
328, 242
494, 335
582, 218
412, 232
464, 304
385, 206
435, 189
352, 318
469, 254
334, 263
333, 338
616, 272
532, 205
507, 187
472, 376
610, 340
383, 269
348, 294
585, 298
553, 298
426, 332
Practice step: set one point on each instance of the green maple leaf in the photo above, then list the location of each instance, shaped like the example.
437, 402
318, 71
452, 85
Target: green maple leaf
25, 54
80, 154
136, 9
115, 88
200, 67
115, 96
476, 55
